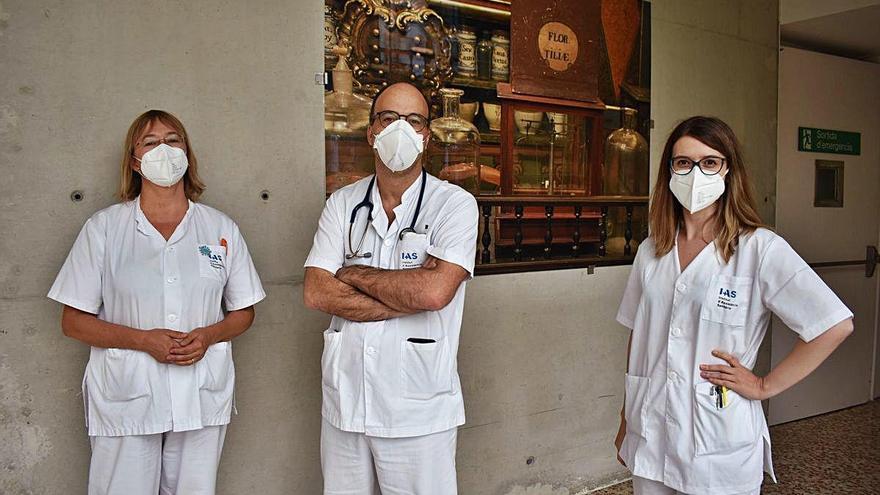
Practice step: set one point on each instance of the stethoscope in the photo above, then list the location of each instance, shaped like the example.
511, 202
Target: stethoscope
368, 204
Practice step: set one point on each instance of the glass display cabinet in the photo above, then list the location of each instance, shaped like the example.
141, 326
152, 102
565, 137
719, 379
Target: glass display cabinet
551, 147
527, 101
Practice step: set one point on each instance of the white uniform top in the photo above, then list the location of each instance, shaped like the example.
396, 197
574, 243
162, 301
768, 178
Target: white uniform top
375, 381
123, 270
675, 434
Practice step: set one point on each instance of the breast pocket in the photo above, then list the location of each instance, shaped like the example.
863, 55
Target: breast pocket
212, 262
721, 428
411, 251
727, 300
426, 368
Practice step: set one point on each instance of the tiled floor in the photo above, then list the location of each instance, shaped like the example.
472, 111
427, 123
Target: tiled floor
836, 453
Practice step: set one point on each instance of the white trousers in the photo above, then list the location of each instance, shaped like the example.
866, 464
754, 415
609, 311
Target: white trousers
644, 486
167, 463
355, 464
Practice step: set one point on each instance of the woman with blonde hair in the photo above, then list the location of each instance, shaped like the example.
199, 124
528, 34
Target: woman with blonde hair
698, 302
157, 285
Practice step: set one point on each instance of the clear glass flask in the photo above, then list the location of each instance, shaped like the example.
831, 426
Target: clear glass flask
454, 150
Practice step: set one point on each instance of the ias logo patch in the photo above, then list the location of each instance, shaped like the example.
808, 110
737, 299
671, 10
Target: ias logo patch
727, 299
215, 259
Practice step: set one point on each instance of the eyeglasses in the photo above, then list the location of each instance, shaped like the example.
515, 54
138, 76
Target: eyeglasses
387, 117
710, 165
151, 142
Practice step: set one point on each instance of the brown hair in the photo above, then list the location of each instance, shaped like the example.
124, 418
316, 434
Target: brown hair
735, 214
130, 181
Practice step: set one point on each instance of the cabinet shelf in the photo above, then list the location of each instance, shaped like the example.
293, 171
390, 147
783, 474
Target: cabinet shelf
498, 10
467, 82
490, 138
356, 135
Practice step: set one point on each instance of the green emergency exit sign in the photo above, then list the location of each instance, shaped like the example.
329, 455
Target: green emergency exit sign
829, 141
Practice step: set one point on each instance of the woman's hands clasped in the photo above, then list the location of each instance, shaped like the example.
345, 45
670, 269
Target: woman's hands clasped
172, 347
191, 348
159, 342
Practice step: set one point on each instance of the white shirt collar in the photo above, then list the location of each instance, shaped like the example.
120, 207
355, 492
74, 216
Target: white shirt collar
407, 202
145, 227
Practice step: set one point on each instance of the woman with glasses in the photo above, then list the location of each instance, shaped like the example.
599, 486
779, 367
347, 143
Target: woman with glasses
698, 301
158, 285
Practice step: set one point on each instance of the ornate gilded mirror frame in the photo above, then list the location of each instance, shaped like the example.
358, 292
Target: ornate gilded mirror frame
396, 40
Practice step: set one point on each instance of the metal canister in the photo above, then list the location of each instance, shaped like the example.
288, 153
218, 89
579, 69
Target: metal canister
467, 52
500, 56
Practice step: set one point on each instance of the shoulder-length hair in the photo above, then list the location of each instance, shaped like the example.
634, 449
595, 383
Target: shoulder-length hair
735, 214
130, 181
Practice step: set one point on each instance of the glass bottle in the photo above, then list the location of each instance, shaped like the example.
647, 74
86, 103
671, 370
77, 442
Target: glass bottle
346, 116
625, 173
454, 149
484, 57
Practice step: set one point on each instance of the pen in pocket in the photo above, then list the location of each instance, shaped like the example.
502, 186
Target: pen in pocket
719, 392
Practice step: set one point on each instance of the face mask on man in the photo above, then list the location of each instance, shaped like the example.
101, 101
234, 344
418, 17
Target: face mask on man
398, 145
164, 165
696, 190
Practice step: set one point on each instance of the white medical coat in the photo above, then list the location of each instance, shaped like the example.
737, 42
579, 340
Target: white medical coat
374, 380
675, 433
123, 270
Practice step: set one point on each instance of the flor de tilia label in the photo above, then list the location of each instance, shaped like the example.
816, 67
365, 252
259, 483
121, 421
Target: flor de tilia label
558, 46
554, 53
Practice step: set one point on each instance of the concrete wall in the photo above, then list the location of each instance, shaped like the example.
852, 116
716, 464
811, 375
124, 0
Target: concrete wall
541, 358
719, 58
240, 76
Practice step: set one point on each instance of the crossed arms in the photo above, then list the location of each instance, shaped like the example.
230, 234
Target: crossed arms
364, 293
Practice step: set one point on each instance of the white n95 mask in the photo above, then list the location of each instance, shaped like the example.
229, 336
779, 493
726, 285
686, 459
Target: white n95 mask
696, 190
164, 165
398, 145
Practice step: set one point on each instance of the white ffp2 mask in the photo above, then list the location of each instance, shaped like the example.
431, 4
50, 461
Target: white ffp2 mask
696, 190
398, 145
164, 165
